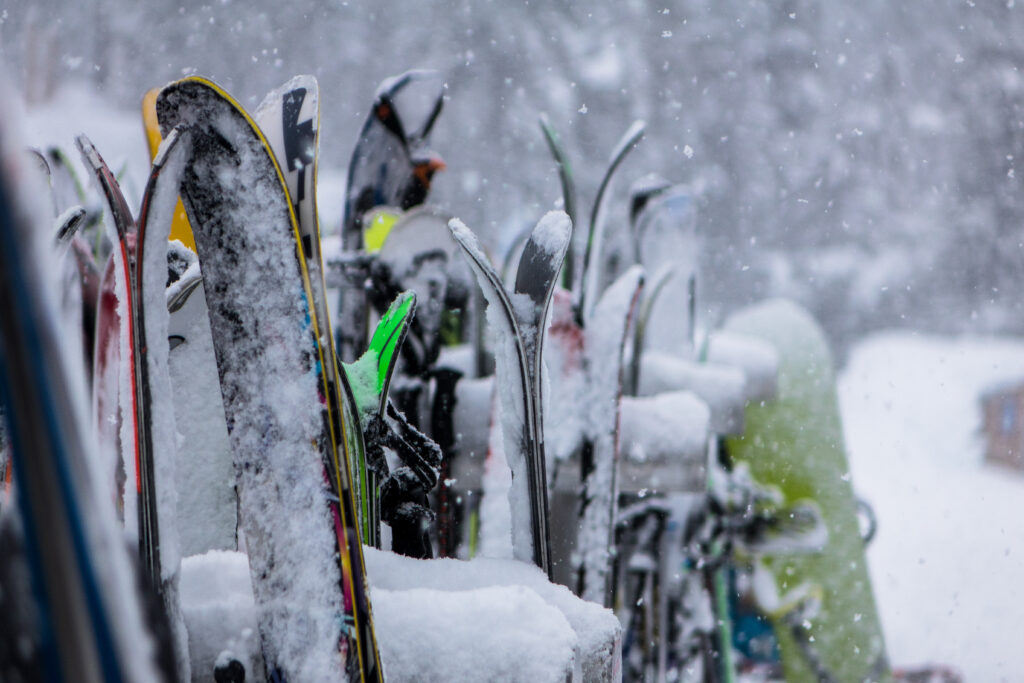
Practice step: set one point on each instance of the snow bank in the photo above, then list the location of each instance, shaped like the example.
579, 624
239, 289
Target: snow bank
758, 360
219, 611
483, 617
665, 438
723, 388
946, 563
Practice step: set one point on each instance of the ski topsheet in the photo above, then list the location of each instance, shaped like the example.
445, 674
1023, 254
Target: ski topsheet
90, 624
270, 360
518, 324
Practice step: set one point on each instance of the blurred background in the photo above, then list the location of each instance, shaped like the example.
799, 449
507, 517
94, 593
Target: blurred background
858, 157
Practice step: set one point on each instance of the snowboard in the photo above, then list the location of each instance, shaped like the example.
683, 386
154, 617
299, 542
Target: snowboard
390, 166
821, 604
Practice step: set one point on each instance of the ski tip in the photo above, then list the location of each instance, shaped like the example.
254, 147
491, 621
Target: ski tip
636, 130
633, 135
88, 150
403, 302
167, 145
391, 85
305, 82
553, 232
460, 232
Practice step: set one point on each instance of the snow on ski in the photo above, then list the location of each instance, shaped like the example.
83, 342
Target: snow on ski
145, 243
246, 233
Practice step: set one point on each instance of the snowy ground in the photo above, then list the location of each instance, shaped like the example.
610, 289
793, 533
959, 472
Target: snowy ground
947, 563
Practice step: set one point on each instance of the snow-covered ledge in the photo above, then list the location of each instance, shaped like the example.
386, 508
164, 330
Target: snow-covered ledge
436, 620
486, 620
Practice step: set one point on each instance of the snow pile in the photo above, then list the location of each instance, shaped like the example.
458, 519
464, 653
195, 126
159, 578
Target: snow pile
722, 387
758, 360
945, 564
449, 620
665, 437
217, 604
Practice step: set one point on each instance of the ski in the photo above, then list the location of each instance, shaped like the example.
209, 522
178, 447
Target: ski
568, 181
370, 379
590, 273
89, 617
181, 231
125, 253
518, 327
247, 234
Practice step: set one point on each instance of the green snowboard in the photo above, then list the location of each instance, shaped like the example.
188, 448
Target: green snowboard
824, 615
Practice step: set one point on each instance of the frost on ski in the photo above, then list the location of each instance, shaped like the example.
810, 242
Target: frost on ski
495, 506
606, 331
564, 421
552, 233
362, 377
265, 356
153, 231
450, 607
